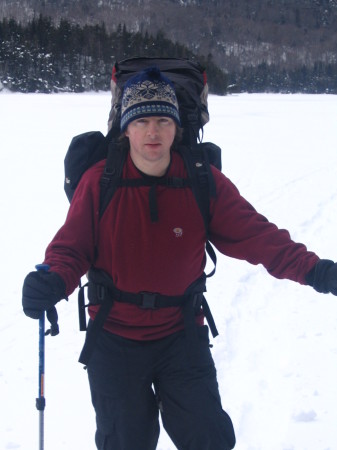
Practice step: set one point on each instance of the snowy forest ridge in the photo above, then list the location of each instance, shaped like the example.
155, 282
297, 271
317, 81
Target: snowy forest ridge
262, 46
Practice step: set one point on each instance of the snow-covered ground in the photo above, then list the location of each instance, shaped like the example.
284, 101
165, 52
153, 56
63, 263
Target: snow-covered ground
277, 350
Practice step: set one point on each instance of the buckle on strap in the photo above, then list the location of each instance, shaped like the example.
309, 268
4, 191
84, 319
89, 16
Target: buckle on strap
148, 300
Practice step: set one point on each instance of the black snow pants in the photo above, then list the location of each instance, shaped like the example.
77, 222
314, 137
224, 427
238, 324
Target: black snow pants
131, 381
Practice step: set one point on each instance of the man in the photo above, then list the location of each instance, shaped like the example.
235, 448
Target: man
148, 358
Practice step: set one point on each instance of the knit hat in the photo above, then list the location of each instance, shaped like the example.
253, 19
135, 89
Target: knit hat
149, 93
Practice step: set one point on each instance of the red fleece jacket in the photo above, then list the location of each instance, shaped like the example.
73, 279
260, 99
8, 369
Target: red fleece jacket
168, 255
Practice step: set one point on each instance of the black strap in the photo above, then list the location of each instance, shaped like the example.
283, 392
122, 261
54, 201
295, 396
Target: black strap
203, 186
152, 183
101, 286
81, 307
94, 329
211, 253
112, 179
112, 174
171, 182
149, 301
153, 203
209, 317
101, 290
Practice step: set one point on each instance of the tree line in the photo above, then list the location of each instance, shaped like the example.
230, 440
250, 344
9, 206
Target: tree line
320, 78
40, 56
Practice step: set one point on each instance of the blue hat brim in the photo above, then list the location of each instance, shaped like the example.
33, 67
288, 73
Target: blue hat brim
149, 109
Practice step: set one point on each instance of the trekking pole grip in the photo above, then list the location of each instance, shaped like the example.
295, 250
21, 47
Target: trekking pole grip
52, 315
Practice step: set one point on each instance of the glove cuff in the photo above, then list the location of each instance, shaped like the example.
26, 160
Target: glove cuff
317, 277
59, 286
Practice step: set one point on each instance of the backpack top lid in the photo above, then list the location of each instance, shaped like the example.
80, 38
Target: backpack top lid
190, 84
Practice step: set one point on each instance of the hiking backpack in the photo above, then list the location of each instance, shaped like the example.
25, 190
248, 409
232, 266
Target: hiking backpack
190, 83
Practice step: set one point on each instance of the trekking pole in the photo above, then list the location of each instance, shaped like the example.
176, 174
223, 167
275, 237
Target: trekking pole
41, 401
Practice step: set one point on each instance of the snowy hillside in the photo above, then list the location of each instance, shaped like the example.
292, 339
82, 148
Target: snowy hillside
277, 350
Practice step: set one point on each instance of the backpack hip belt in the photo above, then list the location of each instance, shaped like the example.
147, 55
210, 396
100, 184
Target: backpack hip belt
102, 291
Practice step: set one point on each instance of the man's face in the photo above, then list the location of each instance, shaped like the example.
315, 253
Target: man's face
150, 140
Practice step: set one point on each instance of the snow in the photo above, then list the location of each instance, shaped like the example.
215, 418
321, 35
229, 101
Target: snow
277, 351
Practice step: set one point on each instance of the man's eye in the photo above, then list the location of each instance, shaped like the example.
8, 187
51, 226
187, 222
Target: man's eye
164, 121
141, 122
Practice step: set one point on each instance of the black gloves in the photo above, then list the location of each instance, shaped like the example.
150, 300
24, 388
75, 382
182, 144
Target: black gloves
41, 291
323, 277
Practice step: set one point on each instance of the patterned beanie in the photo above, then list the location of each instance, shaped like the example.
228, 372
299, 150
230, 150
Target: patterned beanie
149, 93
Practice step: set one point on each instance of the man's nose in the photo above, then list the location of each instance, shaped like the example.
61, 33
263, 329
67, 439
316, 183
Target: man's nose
152, 127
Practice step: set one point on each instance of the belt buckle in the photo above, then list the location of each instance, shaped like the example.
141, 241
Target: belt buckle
148, 300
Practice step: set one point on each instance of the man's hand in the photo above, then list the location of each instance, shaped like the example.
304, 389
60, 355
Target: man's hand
323, 277
41, 291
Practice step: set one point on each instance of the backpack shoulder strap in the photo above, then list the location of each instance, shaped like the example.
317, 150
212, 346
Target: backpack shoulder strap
203, 185
112, 174
198, 167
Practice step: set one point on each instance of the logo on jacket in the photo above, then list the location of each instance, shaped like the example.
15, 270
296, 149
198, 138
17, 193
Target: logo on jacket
178, 232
